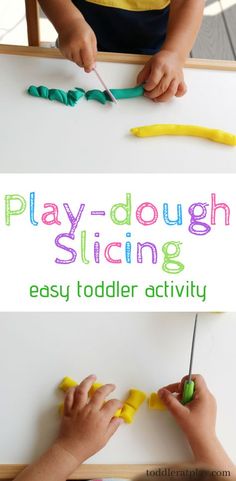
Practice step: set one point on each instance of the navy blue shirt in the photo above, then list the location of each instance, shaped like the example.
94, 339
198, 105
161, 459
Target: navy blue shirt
123, 29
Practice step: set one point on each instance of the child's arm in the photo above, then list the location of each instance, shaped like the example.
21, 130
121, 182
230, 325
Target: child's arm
86, 427
77, 40
197, 419
163, 74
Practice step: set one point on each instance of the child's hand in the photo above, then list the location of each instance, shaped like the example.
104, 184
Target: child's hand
197, 418
78, 43
162, 77
88, 424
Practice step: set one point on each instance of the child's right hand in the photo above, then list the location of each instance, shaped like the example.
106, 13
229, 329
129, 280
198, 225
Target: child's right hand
88, 424
78, 43
197, 419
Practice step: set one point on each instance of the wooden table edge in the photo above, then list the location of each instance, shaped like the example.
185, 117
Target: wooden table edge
46, 52
88, 471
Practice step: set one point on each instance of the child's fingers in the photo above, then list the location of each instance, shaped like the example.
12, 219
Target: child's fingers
95, 51
75, 57
153, 80
161, 88
110, 407
144, 74
174, 387
81, 392
88, 59
113, 426
172, 403
182, 89
100, 395
69, 400
200, 384
170, 92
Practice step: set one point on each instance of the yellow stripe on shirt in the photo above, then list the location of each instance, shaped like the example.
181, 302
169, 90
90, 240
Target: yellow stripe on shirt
133, 5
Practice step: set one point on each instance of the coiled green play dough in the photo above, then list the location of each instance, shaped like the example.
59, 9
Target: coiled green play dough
72, 96
67, 98
103, 97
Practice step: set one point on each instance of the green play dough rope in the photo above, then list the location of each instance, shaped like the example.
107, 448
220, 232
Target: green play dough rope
67, 98
129, 93
103, 97
72, 96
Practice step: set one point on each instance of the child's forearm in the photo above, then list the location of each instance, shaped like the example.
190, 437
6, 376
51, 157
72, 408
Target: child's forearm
211, 453
55, 465
184, 23
60, 12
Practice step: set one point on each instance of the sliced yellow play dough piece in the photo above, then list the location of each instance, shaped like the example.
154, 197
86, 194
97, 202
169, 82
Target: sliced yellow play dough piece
185, 130
127, 413
136, 398
67, 383
155, 402
132, 404
95, 386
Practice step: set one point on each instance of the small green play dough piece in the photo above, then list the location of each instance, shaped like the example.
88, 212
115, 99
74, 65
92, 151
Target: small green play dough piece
67, 98
96, 95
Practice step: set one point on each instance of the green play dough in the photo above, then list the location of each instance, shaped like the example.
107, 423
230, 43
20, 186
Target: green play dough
96, 95
103, 97
129, 93
72, 96
67, 98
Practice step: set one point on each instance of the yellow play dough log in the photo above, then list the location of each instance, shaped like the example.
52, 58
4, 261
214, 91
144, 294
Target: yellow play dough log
155, 402
185, 130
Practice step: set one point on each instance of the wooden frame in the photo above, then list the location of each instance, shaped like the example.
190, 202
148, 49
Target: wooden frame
87, 471
116, 57
32, 20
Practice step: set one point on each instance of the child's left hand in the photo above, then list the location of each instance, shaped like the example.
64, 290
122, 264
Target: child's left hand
88, 424
163, 77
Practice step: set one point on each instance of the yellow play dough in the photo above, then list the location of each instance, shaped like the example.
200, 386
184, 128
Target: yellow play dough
185, 130
95, 386
132, 404
127, 413
67, 383
136, 398
155, 402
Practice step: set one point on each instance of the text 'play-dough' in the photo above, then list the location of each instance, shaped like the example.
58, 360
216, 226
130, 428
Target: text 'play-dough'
73, 96
185, 130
